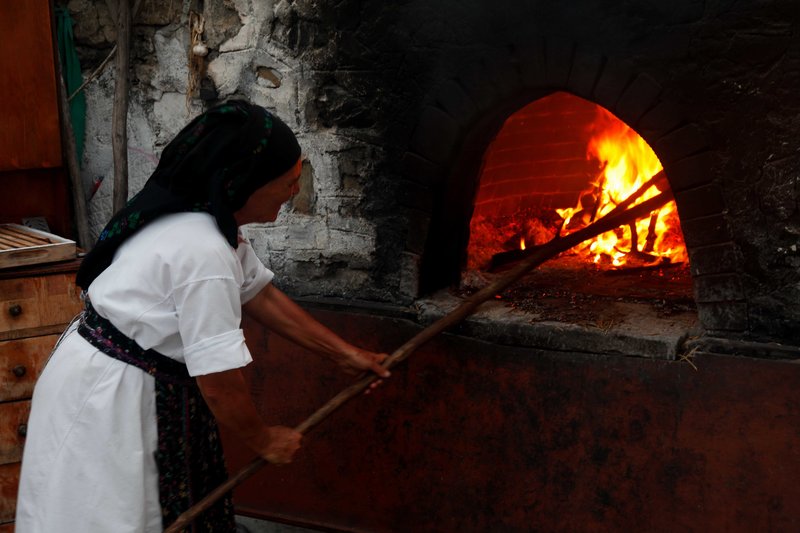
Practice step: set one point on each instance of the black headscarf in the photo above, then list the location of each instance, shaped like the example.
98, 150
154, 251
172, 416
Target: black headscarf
214, 164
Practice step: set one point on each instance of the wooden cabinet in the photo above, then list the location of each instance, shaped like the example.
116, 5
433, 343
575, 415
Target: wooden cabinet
36, 304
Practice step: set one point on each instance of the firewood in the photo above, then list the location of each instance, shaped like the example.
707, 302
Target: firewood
659, 180
650, 242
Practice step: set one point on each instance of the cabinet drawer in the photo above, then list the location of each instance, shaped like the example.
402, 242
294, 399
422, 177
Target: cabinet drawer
21, 362
13, 427
34, 302
9, 482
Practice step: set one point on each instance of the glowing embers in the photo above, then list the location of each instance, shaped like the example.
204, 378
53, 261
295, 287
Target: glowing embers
588, 162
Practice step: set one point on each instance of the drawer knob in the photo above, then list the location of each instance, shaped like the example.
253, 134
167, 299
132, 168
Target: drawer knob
19, 370
22, 430
15, 310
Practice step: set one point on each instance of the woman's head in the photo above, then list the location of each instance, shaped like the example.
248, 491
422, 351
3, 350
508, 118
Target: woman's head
265, 203
215, 164
226, 154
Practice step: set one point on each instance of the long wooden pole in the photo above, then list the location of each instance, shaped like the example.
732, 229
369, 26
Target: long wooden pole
81, 213
545, 252
119, 120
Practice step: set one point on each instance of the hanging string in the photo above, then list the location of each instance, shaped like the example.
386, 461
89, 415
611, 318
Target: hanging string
197, 53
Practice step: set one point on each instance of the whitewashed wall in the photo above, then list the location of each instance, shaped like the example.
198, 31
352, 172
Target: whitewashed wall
309, 236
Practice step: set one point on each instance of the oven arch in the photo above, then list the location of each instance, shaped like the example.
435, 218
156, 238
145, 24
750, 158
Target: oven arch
466, 112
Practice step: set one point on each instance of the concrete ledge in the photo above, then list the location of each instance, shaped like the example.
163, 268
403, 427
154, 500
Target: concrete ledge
625, 328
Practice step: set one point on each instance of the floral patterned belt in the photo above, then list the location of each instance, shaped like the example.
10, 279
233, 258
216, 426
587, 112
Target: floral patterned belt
104, 336
189, 456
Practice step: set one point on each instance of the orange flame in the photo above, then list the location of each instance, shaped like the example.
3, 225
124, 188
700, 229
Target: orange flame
626, 162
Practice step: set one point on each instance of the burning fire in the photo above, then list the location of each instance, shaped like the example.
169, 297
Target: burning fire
627, 163
610, 161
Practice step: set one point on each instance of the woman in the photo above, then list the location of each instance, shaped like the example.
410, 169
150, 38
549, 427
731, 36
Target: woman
120, 434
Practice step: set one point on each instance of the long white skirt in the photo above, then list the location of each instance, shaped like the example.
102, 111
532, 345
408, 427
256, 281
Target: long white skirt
89, 463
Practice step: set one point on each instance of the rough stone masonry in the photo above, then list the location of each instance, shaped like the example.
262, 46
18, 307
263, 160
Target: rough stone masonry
323, 243
711, 85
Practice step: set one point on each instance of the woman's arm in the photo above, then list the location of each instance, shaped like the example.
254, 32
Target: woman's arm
279, 313
226, 394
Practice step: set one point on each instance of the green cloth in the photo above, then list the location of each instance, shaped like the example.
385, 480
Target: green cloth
73, 78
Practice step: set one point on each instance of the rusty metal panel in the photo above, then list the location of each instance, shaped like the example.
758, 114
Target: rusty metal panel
470, 436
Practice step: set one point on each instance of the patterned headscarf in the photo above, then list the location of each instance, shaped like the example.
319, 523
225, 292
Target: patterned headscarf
214, 164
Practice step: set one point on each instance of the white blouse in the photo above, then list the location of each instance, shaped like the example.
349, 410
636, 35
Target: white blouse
178, 287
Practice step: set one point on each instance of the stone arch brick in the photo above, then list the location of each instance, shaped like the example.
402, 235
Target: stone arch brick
467, 110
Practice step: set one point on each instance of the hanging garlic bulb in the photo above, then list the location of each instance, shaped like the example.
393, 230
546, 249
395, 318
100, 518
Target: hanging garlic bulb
197, 52
200, 50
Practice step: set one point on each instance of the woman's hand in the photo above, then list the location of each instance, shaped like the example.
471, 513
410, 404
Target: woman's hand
282, 443
355, 361
227, 396
279, 313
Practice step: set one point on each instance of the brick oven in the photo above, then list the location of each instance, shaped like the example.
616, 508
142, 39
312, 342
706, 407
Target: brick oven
422, 91
690, 155
397, 105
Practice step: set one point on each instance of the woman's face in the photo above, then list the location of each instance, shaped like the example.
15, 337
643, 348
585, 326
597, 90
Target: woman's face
264, 204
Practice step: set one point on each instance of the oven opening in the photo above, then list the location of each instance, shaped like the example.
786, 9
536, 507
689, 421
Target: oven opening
555, 166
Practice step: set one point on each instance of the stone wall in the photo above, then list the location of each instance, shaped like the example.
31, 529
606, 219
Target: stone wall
395, 101
324, 243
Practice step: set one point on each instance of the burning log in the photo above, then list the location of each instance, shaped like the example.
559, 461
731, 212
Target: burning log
499, 260
651, 233
617, 217
656, 263
659, 180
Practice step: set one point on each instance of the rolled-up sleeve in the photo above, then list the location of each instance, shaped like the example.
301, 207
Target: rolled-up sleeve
209, 319
217, 354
